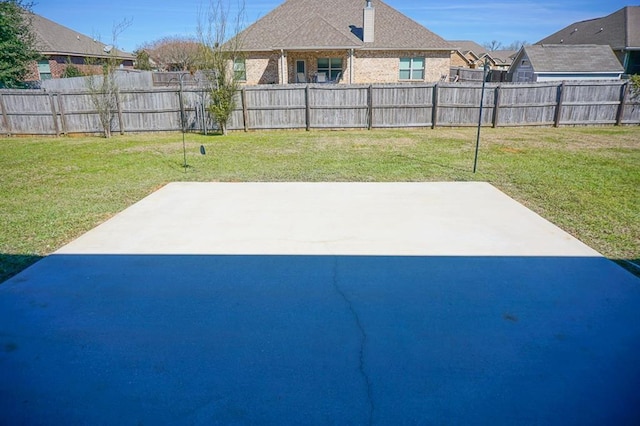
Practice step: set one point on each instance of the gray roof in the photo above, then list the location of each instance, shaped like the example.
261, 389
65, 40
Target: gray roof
55, 39
326, 24
466, 46
584, 58
619, 30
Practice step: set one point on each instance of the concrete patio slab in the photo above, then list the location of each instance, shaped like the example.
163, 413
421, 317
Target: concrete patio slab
322, 303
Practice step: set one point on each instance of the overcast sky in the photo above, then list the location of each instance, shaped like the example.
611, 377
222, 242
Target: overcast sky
480, 21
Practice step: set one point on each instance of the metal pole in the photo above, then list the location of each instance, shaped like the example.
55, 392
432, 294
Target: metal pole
484, 77
182, 119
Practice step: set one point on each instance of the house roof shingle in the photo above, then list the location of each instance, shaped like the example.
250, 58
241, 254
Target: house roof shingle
55, 39
308, 24
586, 58
503, 57
619, 30
466, 46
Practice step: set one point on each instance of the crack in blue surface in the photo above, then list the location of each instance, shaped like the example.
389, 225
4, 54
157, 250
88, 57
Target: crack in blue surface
363, 341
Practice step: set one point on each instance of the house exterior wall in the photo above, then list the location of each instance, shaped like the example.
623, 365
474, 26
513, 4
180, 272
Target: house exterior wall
384, 66
262, 68
457, 60
311, 61
368, 66
522, 71
58, 64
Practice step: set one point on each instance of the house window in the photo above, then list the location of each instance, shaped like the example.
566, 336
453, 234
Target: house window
240, 69
44, 69
331, 67
412, 69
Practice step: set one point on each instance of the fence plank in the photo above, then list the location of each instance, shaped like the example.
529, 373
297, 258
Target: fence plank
5, 117
63, 118
434, 108
496, 108
307, 112
370, 107
624, 93
561, 95
245, 112
54, 114
119, 107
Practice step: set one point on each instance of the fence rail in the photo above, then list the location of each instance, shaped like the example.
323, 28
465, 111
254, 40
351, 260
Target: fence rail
315, 106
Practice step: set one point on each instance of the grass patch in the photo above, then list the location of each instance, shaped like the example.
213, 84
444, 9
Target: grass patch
586, 180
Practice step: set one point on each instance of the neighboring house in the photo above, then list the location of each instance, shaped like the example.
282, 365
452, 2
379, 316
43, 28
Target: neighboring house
61, 46
620, 30
345, 41
502, 59
565, 62
467, 54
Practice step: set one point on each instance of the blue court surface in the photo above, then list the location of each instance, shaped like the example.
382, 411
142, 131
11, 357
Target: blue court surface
326, 303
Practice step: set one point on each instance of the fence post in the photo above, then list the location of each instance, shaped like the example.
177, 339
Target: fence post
370, 107
624, 92
434, 108
119, 106
54, 114
561, 90
63, 119
182, 117
245, 112
496, 107
307, 107
5, 116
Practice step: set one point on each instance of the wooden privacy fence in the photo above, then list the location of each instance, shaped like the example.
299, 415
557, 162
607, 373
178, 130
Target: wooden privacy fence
432, 105
332, 106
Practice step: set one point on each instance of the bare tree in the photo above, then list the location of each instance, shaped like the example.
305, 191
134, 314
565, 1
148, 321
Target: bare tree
492, 45
221, 56
174, 53
517, 45
103, 88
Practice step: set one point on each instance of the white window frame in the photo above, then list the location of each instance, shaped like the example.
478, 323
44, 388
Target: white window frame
44, 70
332, 71
240, 69
413, 68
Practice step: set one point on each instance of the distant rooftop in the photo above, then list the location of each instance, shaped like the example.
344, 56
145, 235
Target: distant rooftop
55, 39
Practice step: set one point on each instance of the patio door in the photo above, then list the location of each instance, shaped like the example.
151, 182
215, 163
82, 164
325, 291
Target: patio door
301, 71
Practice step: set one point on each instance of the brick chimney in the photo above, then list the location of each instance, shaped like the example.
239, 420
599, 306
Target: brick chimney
369, 23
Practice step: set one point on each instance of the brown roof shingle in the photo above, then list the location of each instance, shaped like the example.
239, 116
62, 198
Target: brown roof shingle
300, 24
55, 39
466, 46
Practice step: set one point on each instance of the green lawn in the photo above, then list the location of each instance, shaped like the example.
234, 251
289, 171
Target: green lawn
586, 179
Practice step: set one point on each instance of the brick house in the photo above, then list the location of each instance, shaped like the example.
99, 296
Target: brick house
620, 30
61, 46
467, 54
341, 41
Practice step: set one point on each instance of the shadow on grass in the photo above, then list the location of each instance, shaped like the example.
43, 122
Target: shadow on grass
12, 264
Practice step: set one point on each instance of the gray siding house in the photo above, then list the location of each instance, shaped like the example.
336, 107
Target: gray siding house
340, 41
564, 62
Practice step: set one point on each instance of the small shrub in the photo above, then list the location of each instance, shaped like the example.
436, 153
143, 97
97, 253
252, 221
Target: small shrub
635, 84
72, 71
